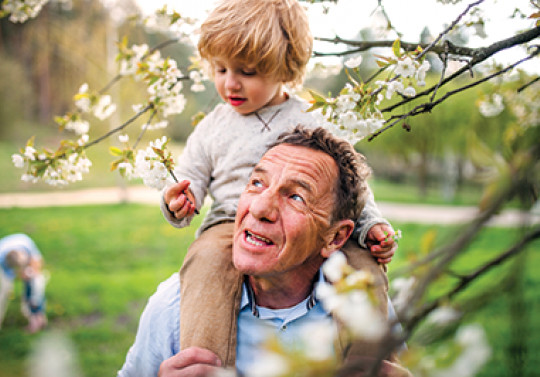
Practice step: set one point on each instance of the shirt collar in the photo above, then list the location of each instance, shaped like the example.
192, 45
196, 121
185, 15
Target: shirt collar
248, 296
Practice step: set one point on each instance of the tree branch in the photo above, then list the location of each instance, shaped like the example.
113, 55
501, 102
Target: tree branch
428, 106
468, 279
477, 54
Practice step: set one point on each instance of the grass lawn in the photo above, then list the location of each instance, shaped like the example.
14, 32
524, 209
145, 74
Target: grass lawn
105, 261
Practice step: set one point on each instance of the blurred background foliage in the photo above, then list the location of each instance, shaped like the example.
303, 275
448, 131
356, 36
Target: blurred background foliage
45, 60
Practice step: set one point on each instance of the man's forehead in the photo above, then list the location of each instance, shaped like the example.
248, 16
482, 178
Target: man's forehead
295, 161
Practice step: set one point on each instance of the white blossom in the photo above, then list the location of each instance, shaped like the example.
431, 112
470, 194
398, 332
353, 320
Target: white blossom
353, 62
123, 138
334, 266
127, 170
405, 67
475, 352
137, 108
157, 126
403, 288
493, 107
198, 87
22, 10
129, 64
173, 105
29, 178
392, 87
83, 139
268, 364
318, 338
30, 153
79, 126
104, 107
17, 160
409, 91
443, 316
148, 166
421, 73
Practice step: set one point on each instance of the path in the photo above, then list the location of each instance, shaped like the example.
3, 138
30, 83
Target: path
416, 213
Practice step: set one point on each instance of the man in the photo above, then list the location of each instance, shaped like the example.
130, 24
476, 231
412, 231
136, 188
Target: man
296, 210
20, 258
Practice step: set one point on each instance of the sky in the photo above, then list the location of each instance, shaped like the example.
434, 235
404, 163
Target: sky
347, 17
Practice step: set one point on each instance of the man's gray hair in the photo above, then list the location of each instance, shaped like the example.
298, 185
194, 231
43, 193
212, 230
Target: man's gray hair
351, 186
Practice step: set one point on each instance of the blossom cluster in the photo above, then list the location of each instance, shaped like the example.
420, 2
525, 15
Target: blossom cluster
491, 106
310, 354
161, 77
66, 165
169, 22
347, 296
462, 356
21, 10
354, 113
153, 165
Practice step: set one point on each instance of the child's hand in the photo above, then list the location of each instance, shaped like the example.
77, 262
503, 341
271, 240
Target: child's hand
180, 200
381, 242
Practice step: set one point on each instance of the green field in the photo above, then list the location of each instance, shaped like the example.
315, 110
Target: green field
105, 261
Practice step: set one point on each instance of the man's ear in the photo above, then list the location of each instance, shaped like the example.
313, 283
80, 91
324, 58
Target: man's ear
338, 235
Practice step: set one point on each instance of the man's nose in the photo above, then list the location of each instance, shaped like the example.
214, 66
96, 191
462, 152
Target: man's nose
231, 81
264, 206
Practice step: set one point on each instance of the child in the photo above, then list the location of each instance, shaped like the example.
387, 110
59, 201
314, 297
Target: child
20, 257
254, 48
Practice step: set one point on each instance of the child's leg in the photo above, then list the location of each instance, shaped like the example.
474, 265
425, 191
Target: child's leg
210, 294
361, 259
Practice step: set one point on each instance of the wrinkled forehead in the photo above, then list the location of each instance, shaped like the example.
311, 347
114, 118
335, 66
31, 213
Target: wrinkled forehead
294, 163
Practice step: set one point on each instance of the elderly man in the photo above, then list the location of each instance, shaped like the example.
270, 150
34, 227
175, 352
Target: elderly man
296, 210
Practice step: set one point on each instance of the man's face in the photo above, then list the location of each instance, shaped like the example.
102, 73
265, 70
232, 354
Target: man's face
282, 222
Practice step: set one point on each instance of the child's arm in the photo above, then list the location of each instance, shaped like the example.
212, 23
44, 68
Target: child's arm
374, 232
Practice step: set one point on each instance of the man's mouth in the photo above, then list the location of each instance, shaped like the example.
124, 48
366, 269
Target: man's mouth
257, 240
236, 101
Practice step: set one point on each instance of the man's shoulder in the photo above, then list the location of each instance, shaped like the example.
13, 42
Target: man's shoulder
167, 295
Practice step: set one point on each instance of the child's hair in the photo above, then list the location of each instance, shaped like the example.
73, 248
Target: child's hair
273, 35
17, 259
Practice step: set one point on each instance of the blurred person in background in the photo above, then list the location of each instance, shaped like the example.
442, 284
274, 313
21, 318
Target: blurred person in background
20, 258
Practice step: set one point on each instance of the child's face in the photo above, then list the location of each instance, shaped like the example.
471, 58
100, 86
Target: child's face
244, 88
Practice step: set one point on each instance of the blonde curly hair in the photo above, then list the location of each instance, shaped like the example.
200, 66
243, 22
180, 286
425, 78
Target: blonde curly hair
272, 35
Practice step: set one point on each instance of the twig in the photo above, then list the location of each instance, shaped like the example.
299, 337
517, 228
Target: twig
468, 279
145, 127
532, 82
447, 30
478, 56
427, 107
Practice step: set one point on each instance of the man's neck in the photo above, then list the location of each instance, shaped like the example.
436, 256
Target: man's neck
275, 292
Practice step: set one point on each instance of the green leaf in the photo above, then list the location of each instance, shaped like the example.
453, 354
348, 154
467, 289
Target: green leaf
115, 151
114, 164
195, 119
396, 48
317, 97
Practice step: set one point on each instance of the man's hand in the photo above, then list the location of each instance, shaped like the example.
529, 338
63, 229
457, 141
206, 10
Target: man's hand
180, 200
381, 243
191, 362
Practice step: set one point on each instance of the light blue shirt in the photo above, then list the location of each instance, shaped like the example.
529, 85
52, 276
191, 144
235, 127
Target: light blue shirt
158, 335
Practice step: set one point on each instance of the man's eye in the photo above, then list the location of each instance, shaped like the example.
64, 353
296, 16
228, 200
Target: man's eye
249, 73
297, 198
257, 183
